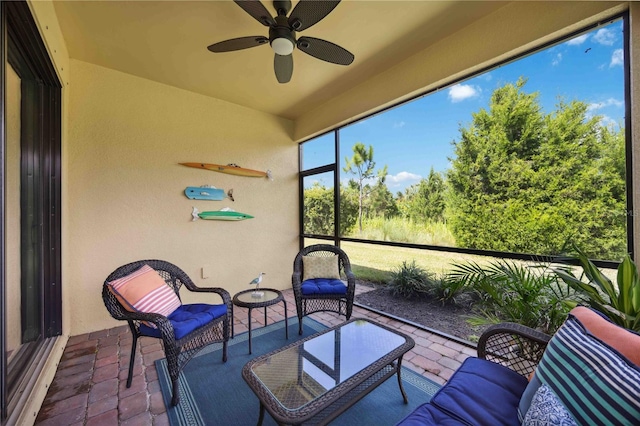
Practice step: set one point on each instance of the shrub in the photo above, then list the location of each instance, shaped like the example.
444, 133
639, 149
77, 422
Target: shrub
515, 292
410, 280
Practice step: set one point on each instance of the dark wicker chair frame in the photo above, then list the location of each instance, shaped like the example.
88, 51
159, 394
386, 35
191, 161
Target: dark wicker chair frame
178, 352
515, 346
341, 304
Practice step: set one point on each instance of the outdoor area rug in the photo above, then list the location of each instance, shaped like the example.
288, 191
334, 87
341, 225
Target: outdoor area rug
214, 393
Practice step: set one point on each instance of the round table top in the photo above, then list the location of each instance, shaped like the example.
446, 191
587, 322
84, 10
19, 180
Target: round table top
252, 298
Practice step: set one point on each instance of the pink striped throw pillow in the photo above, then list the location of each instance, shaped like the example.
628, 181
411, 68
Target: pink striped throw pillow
145, 291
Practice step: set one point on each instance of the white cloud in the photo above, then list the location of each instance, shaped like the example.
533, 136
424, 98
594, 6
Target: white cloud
578, 40
594, 106
398, 124
402, 179
460, 92
617, 58
605, 36
606, 121
557, 59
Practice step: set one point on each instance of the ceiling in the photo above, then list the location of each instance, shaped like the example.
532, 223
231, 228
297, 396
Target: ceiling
166, 41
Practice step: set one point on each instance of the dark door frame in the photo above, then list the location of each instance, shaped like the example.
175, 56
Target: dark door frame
22, 47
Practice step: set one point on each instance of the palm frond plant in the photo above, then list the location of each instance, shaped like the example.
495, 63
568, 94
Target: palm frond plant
620, 302
450, 290
516, 292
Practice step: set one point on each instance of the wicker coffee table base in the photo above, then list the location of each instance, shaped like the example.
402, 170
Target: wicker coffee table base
334, 401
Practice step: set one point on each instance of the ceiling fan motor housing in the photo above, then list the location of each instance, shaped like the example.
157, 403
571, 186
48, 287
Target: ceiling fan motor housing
281, 31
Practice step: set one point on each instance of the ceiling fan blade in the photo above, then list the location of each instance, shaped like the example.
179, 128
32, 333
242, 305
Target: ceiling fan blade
310, 12
256, 9
283, 66
325, 50
238, 44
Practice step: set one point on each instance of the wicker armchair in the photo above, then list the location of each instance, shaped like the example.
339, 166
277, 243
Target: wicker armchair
515, 346
308, 302
178, 352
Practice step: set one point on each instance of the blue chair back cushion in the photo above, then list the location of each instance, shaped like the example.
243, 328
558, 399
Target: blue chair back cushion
188, 318
480, 392
323, 286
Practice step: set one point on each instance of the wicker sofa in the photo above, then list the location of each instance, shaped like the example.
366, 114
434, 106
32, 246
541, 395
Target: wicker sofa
586, 374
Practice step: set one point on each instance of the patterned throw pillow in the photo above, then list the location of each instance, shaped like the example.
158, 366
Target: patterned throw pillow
320, 267
145, 291
593, 381
626, 342
546, 409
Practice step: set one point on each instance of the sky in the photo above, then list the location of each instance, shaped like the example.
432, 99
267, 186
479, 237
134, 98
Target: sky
414, 137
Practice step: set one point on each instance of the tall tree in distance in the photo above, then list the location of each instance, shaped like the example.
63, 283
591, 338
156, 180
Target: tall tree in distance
425, 201
361, 165
382, 203
529, 182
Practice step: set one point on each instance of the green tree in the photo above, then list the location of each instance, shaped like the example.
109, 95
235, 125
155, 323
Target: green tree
382, 202
361, 165
425, 201
318, 210
348, 206
529, 182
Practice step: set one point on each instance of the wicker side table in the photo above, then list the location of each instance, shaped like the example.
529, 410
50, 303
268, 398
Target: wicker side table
269, 296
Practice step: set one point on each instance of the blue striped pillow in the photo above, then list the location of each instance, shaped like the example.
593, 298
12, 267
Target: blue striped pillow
595, 383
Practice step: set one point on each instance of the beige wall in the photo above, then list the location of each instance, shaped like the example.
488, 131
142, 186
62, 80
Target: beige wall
126, 189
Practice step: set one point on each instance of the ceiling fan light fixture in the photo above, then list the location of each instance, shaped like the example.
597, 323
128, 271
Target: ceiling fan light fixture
282, 46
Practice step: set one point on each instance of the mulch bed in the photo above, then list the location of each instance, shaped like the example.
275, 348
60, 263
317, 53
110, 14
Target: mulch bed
447, 318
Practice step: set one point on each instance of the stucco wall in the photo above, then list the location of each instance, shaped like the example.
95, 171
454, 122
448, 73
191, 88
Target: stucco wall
126, 188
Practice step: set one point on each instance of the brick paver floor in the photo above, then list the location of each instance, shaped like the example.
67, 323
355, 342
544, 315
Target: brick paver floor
89, 387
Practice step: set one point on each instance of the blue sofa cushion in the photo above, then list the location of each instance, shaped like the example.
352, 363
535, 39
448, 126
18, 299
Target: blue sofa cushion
323, 286
482, 392
427, 414
188, 318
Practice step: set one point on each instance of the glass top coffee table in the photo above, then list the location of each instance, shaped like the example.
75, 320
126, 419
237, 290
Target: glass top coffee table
314, 380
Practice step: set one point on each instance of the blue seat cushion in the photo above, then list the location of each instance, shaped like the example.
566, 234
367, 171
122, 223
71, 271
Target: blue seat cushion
187, 318
482, 392
323, 286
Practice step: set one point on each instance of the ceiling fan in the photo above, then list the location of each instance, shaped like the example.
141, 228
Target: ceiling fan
282, 34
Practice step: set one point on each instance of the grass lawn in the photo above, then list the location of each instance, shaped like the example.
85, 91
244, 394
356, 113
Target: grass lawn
374, 263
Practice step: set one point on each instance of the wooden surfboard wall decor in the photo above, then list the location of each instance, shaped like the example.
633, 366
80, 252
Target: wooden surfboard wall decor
232, 169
